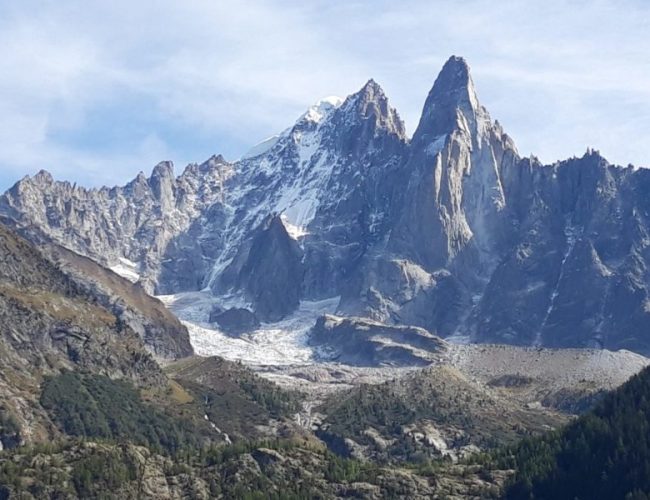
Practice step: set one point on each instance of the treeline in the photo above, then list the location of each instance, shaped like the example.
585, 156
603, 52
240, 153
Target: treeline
94, 406
276, 401
605, 454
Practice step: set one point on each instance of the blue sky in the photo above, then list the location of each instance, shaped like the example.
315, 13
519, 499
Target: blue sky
97, 91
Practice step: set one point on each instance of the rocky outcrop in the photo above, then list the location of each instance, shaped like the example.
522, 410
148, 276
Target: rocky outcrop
292, 470
235, 321
268, 270
162, 333
360, 342
433, 412
50, 323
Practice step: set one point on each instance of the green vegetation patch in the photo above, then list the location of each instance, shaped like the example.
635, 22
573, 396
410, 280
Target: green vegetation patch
604, 454
438, 395
232, 396
9, 428
94, 406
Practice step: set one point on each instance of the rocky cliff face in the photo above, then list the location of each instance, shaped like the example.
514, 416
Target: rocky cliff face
130, 228
451, 230
162, 333
50, 323
578, 253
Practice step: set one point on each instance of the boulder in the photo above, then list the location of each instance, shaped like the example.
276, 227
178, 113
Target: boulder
235, 321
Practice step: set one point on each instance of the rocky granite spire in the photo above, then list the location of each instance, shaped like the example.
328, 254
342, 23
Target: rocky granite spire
451, 231
454, 195
451, 104
162, 185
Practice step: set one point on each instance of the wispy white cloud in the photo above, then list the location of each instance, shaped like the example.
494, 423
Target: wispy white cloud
96, 92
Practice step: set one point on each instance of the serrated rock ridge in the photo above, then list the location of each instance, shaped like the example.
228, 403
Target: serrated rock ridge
451, 230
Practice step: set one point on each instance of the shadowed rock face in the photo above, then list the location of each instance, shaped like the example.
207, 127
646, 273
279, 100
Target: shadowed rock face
272, 273
235, 321
268, 271
451, 231
360, 342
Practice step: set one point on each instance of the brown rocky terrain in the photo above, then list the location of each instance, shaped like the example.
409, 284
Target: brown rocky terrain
49, 324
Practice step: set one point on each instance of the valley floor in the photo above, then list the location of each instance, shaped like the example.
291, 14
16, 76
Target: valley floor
564, 379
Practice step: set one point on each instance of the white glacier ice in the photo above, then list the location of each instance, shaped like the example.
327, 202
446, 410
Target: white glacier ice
278, 344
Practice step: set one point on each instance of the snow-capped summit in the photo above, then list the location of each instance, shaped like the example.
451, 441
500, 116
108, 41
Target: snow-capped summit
314, 115
451, 230
321, 109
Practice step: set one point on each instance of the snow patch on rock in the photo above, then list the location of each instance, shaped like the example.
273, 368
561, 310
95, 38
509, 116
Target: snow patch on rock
127, 269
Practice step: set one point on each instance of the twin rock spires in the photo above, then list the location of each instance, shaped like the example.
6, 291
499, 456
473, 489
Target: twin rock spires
450, 230
452, 91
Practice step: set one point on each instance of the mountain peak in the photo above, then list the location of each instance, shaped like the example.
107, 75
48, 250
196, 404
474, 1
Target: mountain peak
455, 74
372, 88
43, 177
452, 93
216, 159
163, 169
370, 92
371, 103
